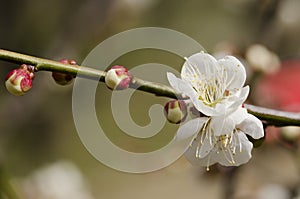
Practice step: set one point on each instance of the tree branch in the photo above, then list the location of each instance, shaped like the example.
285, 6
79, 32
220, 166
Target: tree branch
270, 116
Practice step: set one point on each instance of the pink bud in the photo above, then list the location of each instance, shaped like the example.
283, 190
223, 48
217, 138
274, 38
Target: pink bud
118, 78
19, 81
176, 111
61, 78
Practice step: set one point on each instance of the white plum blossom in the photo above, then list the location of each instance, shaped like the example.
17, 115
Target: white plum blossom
215, 88
231, 148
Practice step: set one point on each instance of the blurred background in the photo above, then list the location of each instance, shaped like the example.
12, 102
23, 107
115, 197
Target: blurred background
41, 155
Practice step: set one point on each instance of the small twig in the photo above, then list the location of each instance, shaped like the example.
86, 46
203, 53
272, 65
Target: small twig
84, 72
269, 116
274, 117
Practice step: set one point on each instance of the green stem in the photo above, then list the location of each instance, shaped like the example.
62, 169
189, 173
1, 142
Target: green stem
274, 117
84, 72
270, 116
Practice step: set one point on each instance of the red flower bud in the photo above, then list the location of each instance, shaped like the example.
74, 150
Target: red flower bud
118, 78
61, 78
19, 81
176, 111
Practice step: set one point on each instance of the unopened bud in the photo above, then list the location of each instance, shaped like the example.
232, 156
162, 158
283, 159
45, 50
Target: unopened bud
61, 78
176, 111
118, 78
19, 81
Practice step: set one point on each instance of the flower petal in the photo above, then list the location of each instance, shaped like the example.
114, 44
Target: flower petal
238, 99
190, 155
190, 128
217, 124
206, 161
252, 126
239, 115
235, 70
180, 85
198, 65
219, 109
224, 124
242, 155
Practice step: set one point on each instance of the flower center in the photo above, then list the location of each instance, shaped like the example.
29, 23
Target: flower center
226, 144
211, 93
210, 84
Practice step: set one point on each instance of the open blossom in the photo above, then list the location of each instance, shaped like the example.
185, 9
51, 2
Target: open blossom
215, 87
231, 148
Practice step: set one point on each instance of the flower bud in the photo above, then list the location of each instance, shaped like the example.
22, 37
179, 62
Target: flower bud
61, 78
118, 78
176, 111
19, 81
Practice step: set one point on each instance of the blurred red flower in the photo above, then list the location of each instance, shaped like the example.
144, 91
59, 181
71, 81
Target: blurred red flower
280, 90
